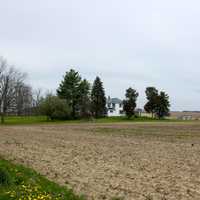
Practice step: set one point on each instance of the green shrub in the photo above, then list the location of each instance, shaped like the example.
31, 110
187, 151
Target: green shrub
5, 178
54, 108
117, 198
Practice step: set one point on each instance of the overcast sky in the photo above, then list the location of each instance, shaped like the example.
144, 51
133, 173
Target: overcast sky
125, 42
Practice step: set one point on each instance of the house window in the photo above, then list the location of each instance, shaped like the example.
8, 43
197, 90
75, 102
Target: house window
121, 112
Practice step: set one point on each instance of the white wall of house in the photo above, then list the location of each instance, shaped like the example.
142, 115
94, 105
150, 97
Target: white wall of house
115, 110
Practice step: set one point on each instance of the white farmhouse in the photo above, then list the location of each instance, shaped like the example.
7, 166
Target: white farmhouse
114, 107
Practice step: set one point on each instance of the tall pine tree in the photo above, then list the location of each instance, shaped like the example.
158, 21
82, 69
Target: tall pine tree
98, 99
84, 100
69, 90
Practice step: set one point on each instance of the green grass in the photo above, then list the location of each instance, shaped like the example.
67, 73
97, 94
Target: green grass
125, 119
25, 120
14, 120
26, 184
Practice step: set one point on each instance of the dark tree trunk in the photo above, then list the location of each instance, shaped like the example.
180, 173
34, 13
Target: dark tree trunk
73, 112
2, 118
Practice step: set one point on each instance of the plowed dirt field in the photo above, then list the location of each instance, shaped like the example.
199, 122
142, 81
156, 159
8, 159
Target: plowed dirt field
135, 161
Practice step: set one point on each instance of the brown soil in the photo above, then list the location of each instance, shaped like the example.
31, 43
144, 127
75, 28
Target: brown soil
138, 161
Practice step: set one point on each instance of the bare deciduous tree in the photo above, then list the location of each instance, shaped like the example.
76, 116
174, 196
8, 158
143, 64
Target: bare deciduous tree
23, 99
37, 98
10, 77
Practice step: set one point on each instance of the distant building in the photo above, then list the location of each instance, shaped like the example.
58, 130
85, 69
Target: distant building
185, 117
114, 107
139, 112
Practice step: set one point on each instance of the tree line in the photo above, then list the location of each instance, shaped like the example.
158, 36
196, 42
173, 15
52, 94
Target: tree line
16, 96
75, 97
78, 99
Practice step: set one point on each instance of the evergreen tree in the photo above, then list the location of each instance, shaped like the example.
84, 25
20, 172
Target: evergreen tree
151, 94
84, 100
69, 90
130, 102
162, 105
98, 99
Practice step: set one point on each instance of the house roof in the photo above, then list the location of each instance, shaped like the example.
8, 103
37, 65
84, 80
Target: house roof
114, 100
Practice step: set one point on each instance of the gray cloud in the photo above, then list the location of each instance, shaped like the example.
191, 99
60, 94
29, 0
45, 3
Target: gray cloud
127, 43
